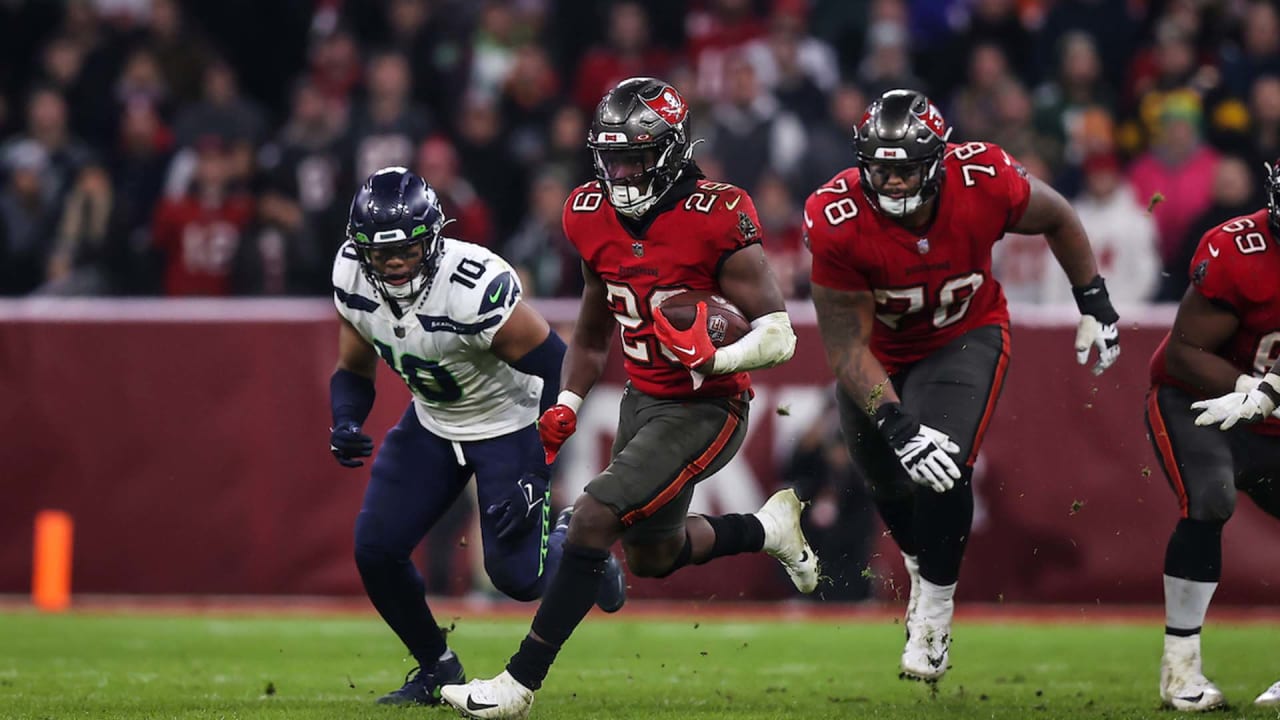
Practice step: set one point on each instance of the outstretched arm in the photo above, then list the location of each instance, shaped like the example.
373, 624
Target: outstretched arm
1049, 213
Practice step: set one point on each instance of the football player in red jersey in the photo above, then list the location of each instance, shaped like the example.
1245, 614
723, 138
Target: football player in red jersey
917, 330
648, 228
1225, 336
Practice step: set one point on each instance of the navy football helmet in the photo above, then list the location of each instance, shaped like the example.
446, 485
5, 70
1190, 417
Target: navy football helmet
395, 223
903, 134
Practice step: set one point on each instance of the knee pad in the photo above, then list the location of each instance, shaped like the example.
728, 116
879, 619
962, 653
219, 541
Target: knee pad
1211, 505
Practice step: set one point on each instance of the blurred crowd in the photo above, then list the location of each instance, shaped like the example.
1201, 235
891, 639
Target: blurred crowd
177, 147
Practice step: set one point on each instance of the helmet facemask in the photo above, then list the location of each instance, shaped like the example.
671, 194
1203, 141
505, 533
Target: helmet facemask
900, 188
635, 177
400, 268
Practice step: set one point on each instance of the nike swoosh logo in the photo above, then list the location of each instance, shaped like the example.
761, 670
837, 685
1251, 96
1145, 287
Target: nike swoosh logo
804, 556
686, 351
1213, 252
1192, 698
734, 204
472, 705
496, 294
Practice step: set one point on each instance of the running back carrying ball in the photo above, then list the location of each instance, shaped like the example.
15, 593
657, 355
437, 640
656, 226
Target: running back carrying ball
725, 322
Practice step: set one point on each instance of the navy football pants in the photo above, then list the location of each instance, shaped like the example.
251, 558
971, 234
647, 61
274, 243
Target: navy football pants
416, 477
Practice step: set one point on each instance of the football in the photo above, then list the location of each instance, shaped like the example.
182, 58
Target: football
725, 322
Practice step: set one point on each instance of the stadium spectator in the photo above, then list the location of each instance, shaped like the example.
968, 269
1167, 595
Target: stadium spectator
28, 212
974, 104
628, 53
751, 132
1179, 169
1123, 235
182, 54
829, 143
221, 111
1076, 88
547, 262
64, 153
76, 264
798, 68
887, 64
1258, 53
717, 33
307, 163
437, 162
783, 236
387, 127
199, 233
1235, 193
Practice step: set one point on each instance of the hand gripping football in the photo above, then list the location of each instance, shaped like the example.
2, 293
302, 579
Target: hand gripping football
725, 322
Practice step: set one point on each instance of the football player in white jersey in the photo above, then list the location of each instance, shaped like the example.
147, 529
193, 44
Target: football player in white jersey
446, 316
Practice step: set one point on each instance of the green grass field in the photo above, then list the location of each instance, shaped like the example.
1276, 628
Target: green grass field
234, 666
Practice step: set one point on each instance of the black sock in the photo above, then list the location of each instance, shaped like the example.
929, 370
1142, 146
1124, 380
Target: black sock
396, 589
566, 602
735, 534
1195, 551
898, 514
942, 529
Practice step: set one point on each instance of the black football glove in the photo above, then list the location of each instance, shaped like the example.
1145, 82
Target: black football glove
347, 443
521, 510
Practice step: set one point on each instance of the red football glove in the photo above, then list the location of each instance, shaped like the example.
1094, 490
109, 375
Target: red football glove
692, 347
554, 427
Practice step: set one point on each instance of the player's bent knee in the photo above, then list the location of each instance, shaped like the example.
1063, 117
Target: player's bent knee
1217, 508
593, 524
517, 586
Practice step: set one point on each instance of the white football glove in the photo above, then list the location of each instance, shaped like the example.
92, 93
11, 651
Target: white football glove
1090, 334
927, 458
1249, 406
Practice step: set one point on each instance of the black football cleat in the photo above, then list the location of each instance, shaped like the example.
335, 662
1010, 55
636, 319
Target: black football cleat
422, 687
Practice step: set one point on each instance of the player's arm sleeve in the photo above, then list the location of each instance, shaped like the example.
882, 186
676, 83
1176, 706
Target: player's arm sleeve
1211, 271
830, 248
1014, 186
481, 312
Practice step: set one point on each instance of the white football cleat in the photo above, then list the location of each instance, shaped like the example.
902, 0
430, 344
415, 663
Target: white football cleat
1183, 685
502, 698
927, 652
784, 540
1270, 697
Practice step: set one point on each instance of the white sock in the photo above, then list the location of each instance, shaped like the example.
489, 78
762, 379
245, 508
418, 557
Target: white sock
935, 598
1186, 602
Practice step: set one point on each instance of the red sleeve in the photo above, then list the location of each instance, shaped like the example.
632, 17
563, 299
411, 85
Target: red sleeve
833, 265
1015, 185
580, 205
1214, 269
743, 222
